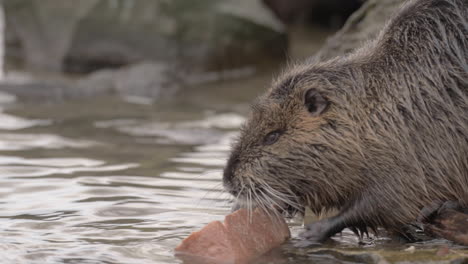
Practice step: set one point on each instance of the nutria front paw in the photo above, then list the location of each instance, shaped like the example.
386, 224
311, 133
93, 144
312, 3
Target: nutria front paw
315, 233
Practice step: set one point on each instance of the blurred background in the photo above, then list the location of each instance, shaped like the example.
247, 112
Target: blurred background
160, 46
116, 116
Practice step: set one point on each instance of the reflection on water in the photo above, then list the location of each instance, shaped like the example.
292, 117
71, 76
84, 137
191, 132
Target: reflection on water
10, 141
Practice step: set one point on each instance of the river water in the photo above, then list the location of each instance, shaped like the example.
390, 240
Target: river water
108, 181
120, 180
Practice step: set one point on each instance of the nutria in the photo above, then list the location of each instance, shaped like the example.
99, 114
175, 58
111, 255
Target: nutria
377, 134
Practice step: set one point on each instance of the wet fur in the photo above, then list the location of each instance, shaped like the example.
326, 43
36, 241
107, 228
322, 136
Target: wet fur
393, 140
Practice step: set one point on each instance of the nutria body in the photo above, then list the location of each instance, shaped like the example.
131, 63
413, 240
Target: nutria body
377, 134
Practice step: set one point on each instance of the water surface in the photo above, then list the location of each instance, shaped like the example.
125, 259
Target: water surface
109, 180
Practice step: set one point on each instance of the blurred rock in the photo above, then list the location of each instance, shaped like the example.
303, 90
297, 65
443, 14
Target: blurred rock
51, 91
147, 79
141, 83
45, 28
288, 11
330, 13
363, 25
82, 36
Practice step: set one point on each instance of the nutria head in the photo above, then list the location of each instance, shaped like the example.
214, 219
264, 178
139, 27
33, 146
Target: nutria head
298, 144
378, 133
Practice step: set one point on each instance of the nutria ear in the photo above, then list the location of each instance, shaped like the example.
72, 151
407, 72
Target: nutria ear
316, 104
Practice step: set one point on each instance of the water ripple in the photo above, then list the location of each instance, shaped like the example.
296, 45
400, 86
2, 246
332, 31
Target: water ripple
37, 171
10, 122
15, 141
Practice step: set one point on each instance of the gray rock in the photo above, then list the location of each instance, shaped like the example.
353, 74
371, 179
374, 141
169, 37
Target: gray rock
146, 79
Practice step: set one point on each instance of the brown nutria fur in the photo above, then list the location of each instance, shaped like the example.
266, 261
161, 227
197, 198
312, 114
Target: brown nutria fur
377, 134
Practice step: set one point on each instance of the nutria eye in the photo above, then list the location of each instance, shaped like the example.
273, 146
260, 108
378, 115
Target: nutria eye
316, 104
271, 137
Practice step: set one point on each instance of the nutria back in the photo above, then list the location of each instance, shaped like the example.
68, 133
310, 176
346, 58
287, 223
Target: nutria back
377, 134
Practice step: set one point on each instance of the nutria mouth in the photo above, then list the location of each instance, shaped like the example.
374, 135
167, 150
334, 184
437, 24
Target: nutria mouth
258, 198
